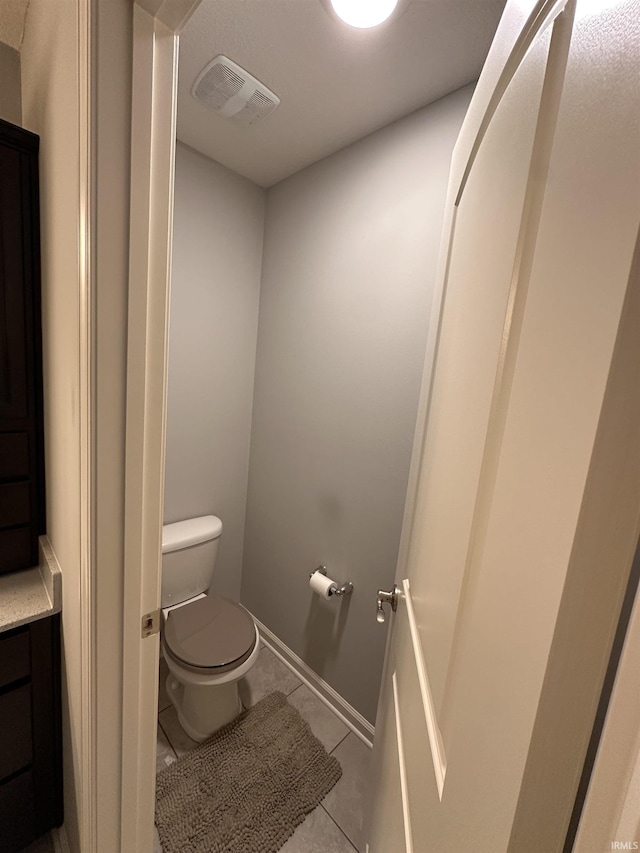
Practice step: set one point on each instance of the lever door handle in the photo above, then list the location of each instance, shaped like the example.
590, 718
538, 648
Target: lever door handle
386, 598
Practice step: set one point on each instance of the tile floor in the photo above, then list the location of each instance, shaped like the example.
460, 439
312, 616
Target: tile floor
336, 825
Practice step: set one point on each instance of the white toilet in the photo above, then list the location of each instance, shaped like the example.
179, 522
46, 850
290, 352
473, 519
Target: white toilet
209, 642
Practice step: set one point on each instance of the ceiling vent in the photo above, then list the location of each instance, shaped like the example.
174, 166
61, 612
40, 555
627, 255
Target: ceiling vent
233, 93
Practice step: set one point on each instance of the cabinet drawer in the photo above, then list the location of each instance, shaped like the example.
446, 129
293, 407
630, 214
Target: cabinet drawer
16, 549
14, 504
17, 813
15, 725
14, 455
15, 658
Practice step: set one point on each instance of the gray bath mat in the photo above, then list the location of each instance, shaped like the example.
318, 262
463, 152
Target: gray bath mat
246, 788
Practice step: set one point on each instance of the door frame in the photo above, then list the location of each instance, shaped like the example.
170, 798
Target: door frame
156, 28
605, 809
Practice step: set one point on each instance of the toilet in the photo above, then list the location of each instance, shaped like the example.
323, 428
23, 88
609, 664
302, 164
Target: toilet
208, 642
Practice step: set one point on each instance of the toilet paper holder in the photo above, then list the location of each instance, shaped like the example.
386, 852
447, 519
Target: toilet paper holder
345, 589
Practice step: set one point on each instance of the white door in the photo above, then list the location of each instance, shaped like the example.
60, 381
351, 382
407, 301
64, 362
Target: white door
542, 220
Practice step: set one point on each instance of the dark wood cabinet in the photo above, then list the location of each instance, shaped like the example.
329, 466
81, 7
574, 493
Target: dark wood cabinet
22, 506
30, 733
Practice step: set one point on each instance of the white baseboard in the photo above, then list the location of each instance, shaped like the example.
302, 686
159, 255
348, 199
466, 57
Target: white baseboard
340, 707
60, 840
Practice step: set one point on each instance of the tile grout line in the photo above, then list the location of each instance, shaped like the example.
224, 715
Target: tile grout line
295, 689
164, 731
342, 739
330, 816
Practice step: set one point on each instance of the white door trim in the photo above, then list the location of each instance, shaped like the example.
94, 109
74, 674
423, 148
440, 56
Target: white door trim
156, 26
88, 807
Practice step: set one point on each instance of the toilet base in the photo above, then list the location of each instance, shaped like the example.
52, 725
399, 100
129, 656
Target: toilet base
203, 709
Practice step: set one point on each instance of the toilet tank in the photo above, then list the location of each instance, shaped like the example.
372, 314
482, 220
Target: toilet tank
189, 550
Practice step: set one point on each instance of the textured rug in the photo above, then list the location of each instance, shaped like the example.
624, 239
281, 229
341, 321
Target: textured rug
246, 788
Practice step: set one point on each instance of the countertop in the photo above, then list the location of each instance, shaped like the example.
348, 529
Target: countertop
31, 594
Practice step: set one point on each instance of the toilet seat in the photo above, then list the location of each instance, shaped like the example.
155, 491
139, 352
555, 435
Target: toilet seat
210, 635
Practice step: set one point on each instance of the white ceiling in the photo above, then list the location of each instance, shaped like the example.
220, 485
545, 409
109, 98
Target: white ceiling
336, 84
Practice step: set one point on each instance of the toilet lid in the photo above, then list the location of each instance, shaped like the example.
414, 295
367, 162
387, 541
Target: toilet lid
210, 633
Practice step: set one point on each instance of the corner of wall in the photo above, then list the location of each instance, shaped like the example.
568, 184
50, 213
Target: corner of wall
11, 89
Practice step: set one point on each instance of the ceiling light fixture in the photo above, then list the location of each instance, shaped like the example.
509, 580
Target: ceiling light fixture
363, 13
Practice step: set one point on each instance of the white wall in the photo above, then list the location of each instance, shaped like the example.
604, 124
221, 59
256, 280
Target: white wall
10, 97
50, 108
350, 254
215, 287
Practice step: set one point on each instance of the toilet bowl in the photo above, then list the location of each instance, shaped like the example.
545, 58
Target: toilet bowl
208, 642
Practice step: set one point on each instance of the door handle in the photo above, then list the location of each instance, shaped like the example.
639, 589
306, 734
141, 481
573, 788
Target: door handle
386, 598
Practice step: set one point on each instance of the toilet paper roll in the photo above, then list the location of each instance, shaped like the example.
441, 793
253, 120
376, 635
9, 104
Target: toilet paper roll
321, 585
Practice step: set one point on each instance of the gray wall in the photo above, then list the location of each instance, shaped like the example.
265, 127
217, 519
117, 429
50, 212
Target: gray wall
217, 254
10, 94
349, 262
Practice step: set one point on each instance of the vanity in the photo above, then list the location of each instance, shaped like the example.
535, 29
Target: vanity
30, 703
30, 579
